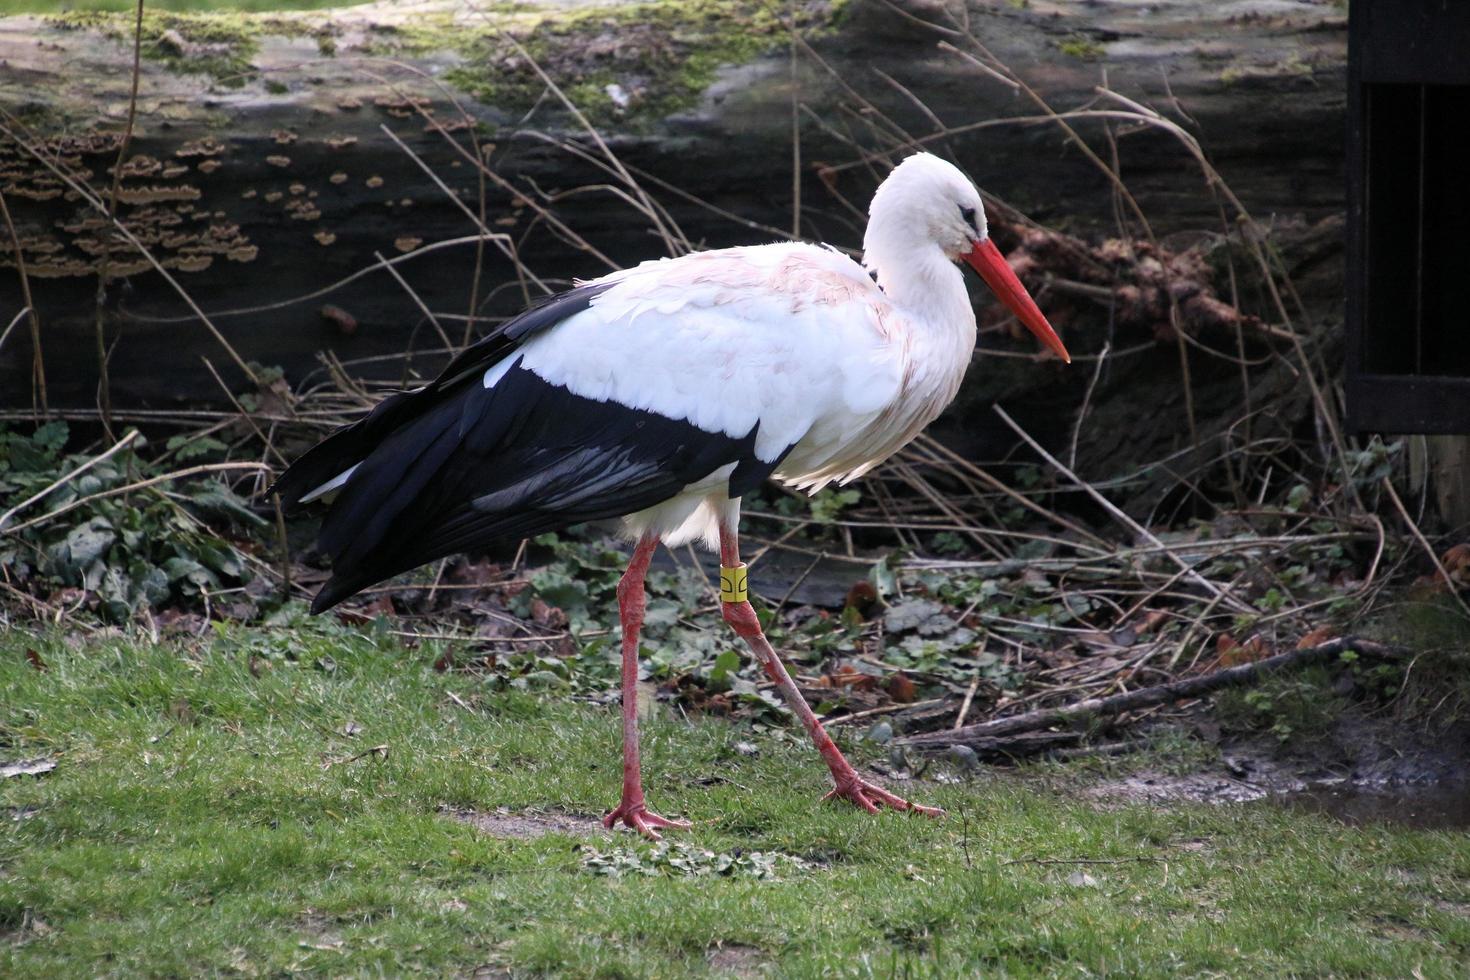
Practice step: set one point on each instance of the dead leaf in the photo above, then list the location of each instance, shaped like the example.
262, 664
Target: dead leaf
27, 767
901, 688
1456, 562
863, 598
361, 616
345, 322
545, 614
1317, 637
1057, 658
34, 659
849, 677
474, 573
1428, 585
1233, 653
1152, 620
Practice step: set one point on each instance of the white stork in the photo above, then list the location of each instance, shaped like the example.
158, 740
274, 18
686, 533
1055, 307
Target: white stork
662, 394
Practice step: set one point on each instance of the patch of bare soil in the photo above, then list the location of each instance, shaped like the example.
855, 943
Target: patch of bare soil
1150, 786
1244, 773
736, 960
1362, 774
320, 931
526, 825
28, 928
1462, 909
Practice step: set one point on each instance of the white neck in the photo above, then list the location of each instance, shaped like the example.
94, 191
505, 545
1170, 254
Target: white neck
921, 281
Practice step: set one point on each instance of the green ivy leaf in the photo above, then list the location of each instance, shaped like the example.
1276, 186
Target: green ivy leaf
82, 547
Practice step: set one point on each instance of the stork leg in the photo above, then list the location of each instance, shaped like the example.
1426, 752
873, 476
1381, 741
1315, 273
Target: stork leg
848, 784
631, 605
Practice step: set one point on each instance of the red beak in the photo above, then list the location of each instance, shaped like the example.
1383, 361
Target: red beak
986, 259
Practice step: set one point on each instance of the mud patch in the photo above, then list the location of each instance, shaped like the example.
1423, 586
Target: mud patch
1444, 806
1356, 799
319, 932
1363, 771
1236, 784
737, 960
527, 825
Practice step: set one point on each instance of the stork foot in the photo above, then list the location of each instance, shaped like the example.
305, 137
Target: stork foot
637, 815
869, 796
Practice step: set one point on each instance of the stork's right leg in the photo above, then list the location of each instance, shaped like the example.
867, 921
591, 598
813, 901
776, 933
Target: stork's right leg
631, 605
848, 785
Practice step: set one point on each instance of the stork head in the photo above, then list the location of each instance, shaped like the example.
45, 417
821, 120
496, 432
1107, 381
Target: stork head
927, 203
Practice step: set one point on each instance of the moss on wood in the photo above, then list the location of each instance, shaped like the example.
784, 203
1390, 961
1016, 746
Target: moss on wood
633, 63
220, 45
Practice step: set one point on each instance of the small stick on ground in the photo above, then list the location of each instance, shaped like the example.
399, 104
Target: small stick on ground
959, 722
886, 709
1191, 687
381, 751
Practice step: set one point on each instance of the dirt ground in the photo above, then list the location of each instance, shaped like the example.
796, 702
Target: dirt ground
1364, 771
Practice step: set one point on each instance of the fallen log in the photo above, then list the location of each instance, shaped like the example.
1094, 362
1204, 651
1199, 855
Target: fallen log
259, 172
990, 736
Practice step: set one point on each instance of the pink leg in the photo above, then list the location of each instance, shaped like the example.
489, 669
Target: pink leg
849, 785
631, 604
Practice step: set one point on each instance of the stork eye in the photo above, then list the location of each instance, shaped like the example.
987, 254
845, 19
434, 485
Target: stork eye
969, 215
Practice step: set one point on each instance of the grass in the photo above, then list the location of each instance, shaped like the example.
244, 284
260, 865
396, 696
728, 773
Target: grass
202, 820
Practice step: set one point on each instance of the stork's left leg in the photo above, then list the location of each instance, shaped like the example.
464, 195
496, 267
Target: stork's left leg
631, 605
848, 784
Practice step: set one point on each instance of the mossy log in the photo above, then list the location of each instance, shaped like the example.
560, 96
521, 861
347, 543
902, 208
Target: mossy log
261, 169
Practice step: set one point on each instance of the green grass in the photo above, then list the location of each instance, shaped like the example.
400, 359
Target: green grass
193, 826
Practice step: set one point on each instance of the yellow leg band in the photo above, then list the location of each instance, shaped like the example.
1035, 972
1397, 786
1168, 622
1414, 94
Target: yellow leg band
734, 583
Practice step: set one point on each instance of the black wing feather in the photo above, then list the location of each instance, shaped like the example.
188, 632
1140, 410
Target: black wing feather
462, 468
355, 442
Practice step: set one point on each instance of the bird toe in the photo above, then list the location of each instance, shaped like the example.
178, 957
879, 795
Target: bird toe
869, 796
638, 817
